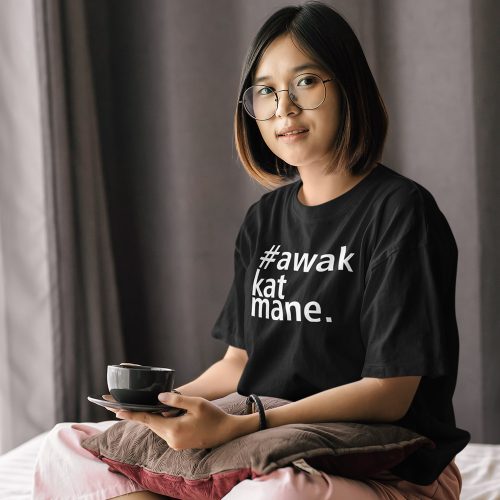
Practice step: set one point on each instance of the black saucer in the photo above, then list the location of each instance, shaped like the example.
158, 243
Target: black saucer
159, 408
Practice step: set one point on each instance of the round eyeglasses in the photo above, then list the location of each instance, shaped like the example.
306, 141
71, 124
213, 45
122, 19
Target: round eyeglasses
306, 91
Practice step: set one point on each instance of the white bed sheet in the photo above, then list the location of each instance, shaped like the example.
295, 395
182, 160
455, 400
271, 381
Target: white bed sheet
16, 470
478, 463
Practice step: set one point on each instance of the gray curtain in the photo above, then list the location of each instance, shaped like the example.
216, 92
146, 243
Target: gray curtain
27, 403
86, 326
142, 193
60, 324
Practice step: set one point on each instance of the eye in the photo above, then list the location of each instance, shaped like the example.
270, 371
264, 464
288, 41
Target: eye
265, 91
308, 81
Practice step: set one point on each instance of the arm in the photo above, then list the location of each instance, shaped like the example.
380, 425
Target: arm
368, 399
220, 379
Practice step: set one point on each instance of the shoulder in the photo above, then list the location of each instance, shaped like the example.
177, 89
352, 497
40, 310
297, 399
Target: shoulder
397, 197
270, 203
267, 207
399, 192
404, 214
277, 195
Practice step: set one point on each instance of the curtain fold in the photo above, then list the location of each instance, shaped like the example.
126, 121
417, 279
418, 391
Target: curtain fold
86, 328
485, 17
26, 357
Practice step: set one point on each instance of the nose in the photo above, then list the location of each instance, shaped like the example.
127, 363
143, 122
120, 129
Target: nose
285, 104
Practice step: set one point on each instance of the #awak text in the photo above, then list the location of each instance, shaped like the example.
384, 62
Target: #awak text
263, 290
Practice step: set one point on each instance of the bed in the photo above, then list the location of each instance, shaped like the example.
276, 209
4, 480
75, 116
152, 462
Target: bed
478, 463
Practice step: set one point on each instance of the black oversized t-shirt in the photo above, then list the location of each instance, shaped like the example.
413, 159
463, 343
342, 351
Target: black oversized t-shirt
360, 286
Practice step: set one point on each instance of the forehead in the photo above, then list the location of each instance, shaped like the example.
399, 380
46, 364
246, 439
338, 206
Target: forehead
282, 59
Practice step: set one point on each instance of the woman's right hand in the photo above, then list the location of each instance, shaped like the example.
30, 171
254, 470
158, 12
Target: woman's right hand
108, 397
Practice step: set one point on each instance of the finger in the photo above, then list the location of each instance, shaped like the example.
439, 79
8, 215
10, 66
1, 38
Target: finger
170, 414
127, 415
179, 400
156, 423
108, 397
143, 417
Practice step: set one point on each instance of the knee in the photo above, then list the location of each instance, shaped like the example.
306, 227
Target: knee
58, 429
283, 483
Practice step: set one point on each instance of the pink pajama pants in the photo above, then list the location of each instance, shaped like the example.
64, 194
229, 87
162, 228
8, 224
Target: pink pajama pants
65, 470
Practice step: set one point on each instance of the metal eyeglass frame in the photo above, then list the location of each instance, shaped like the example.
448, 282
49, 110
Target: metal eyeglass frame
285, 90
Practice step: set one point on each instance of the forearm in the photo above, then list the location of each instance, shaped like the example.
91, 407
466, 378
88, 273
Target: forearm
362, 400
217, 381
369, 400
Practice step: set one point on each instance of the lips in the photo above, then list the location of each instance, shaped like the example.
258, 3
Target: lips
293, 133
288, 131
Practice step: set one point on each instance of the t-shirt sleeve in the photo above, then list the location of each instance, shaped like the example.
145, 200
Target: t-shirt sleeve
229, 326
407, 320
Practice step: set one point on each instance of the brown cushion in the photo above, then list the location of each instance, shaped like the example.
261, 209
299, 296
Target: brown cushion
345, 448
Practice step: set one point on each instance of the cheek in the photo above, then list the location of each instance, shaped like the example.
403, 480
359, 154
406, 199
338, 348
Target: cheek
329, 125
268, 135
265, 130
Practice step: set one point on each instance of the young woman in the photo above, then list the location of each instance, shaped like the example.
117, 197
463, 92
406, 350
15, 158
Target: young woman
344, 286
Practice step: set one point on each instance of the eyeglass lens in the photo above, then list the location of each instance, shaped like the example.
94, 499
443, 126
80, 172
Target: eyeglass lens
306, 91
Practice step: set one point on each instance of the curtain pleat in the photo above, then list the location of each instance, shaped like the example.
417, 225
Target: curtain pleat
87, 330
26, 356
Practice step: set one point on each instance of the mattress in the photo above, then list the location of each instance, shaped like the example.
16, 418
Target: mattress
478, 463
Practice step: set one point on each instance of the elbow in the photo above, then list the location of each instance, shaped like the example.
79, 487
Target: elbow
393, 415
395, 396
395, 408
391, 412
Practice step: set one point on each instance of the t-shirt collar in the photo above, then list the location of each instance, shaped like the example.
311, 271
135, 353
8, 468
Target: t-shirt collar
334, 206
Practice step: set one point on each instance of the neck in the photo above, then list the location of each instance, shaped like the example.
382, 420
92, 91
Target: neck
317, 189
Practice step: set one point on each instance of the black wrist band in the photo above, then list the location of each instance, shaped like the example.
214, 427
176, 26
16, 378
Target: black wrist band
262, 414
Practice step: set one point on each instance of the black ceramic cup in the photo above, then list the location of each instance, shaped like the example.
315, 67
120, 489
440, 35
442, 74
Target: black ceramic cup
139, 384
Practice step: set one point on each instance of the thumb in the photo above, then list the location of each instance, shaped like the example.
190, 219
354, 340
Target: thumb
177, 400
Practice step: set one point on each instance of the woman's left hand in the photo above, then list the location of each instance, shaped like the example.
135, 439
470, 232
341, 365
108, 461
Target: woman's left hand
204, 425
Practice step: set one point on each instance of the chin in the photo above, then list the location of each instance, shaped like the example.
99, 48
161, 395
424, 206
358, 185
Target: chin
294, 159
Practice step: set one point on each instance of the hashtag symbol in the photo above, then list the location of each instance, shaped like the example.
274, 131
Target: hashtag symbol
269, 256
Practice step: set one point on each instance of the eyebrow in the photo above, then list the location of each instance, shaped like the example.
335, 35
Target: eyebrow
297, 68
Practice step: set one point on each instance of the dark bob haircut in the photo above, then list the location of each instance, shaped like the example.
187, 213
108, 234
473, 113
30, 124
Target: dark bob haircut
328, 39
